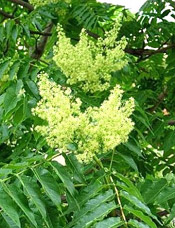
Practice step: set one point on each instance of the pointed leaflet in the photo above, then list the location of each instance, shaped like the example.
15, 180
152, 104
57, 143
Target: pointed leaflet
21, 201
3, 67
137, 224
86, 194
49, 185
13, 69
141, 216
152, 190
9, 207
33, 192
92, 204
129, 160
165, 195
138, 204
130, 186
96, 215
63, 175
172, 213
75, 166
9, 221
112, 222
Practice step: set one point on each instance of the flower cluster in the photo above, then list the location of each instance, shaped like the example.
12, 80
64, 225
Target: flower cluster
37, 3
96, 130
89, 63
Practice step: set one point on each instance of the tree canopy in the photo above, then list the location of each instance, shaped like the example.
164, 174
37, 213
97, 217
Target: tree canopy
92, 84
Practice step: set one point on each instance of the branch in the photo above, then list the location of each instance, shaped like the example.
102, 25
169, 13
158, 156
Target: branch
148, 52
159, 100
42, 43
22, 3
140, 52
171, 123
6, 15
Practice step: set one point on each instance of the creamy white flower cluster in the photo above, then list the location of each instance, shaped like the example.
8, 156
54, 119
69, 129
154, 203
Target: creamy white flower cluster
37, 3
89, 63
97, 130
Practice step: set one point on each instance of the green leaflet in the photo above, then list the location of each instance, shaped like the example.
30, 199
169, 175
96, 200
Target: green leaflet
21, 201
166, 194
34, 193
91, 205
137, 224
109, 223
61, 172
9, 207
49, 185
152, 190
99, 213
141, 216
135, 201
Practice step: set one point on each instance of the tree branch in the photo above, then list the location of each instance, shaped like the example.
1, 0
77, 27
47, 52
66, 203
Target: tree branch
148, 52
42, 43
159, 100
140, 52
22, 3
6, 15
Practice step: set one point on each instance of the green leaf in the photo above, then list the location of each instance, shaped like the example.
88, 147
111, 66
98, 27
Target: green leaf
33, 88
171, 215
34, 193
137, 224
10, 99
109, 223
13, 69
152, 190
129, 160
130, 187
15, 32
99, 213
9, 207
133, 147
75, 166
19, 115
92, 204
49, 185
9, 221
21, 201
141, 216
4, 67
165, 195
137, 203
87, 193
63, 175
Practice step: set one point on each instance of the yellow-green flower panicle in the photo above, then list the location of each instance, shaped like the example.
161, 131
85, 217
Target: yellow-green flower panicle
89, 64
37, 3
94, 131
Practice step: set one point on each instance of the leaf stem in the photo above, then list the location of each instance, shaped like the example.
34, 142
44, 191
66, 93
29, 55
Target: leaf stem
100, 164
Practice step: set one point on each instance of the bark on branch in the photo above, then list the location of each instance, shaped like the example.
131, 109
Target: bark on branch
40, 46
22, 3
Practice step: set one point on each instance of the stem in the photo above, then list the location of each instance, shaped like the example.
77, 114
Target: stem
110, 167
100, 164
119, 201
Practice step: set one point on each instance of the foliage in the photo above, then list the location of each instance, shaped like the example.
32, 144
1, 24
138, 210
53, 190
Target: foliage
132, 183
